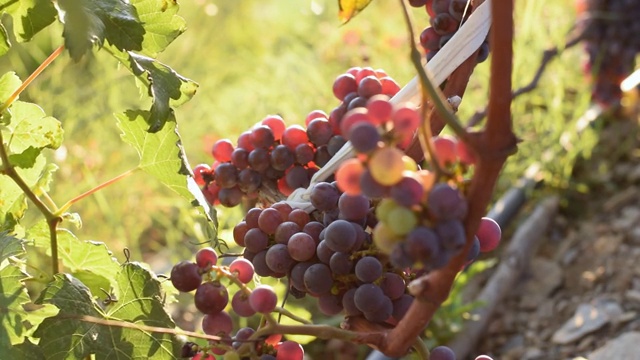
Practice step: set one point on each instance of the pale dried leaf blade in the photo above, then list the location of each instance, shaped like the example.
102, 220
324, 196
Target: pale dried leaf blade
350, 8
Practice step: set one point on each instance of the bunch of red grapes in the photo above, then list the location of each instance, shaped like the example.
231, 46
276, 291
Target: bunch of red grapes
612, 42
271, 159
378, 222
446, 17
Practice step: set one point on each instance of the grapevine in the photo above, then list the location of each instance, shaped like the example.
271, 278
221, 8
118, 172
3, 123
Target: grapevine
366, 208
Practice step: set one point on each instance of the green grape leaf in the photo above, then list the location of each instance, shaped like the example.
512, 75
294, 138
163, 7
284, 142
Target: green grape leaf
29, 16
88, 22
76, 332
160, 22
89, 261
10, 246
16, 321
166, 87
26, 159
30, 127
27, 351
13, 202
5, 44
162, 156
9, 83
350, 8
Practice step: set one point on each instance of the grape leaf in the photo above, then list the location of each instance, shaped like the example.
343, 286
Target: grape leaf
9, 83
29, 16
13, 202
166, 87
87, 22
10, 246
26, 159
160, 22
14, 319
162, 156
89, 261
5, 44
73, 334
350, 8
27, 351
30, 127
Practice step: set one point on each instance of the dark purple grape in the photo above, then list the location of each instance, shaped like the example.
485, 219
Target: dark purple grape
249, 180
341, 263
417, 3
230, 197
422, 244
369, 297
474, 251
393, 285
282, 158
297, 177
262, 137
314, 229
400, 257
371, 188
348, 303
335, 144
382, 313
324, 196
304, 154
260, 264
364, 137
318, 279
240, 158
446, 203
185, 276
322, 156
240, 304
278, 259
401, 306
189, 349
353, 207
444, 24
340, 236
407, 192
330, 304
219, 323
457, 9
239, 232
483, 52
285, 230
368, 269
324, 253
452, 235
319, 132
442, 353
256, 240
211, 297
297, 275
226, 175
259, 160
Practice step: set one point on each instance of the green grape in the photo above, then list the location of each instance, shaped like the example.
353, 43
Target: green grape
384, 238
384, 208
401, 220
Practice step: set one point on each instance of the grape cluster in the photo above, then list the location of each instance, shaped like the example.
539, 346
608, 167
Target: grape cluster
611, 29
445, 19
273, 160
211, 298
418, 220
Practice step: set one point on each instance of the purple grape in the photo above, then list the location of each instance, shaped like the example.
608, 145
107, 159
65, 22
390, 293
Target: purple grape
364, 137
282, 158
322, 155
318, 279
407, 192
243, 270
259, 160
314, 229
278, 259
369, 297
348, 303
211, 297
319, 132
393, 285
252, 217
249, 180
422, 244
335, 144
341, 263
442, 353
269, 221
301, 247
185, 276
324, 252
240, 304
297, 275
226, 175
446, 203
262, 137
340, 236
285, 230
329, 304
452, 235
260, 264
230, 197
401, 306
371, 188
368, 269
353, 207
256, 240
297, 177
382, 313
324, 196
263, 299
219, 324
304, 154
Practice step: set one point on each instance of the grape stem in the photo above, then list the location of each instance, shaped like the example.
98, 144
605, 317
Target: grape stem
90, 192
9, 170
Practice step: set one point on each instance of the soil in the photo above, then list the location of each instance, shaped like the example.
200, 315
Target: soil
589, 263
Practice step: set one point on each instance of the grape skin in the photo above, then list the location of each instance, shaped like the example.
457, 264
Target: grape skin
185, 276
211, 297
263, 299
